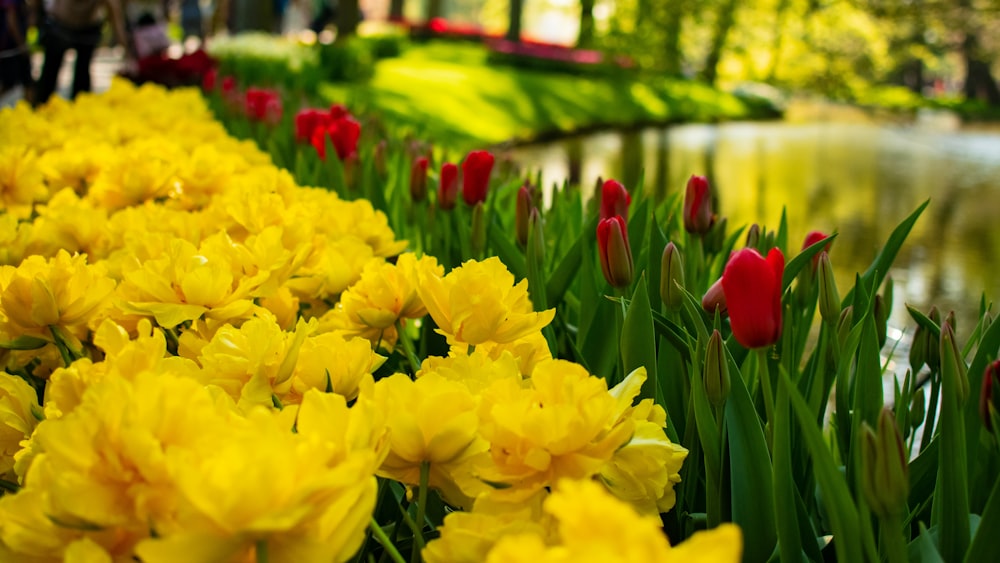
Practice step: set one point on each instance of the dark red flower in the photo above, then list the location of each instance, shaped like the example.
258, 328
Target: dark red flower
614, 200
698, 216
343, 134
476, 170
522, 213
752, 286
263, 105
989, 397
448, 186
616, 254
307, 121
418, 178
812, 238
210, 80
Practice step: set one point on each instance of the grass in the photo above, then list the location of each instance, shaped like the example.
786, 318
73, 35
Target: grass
448, 91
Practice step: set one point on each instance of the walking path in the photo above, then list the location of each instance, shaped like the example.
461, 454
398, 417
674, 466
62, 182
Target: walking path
106, 63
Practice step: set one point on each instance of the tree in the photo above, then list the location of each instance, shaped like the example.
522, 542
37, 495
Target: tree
396, 10
514, 29
348, 18
586, 38
724, 20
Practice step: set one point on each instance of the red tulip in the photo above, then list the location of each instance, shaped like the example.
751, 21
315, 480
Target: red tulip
698, 216
989, 398
614, 200
343, 134
812, 238
418, 178
752, 286
307, 121
263, 105
616, 255
448, 191
476, 170
209, 80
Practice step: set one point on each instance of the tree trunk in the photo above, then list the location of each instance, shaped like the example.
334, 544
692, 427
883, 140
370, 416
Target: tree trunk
779, 34
348, 18
672, 56
723, 23
514, 29
396, 10
586, 38
435, 9
979, 81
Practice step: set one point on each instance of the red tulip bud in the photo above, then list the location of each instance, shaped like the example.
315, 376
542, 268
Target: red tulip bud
307, 121
989, 397
616, 255
522, 213
698, 216
714, 299
752, 285
476, 170
614, 200
418, 179
812, 238
448, 187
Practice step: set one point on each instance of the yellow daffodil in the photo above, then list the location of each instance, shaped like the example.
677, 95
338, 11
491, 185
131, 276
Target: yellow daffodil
21, 180
478, 303
19, 414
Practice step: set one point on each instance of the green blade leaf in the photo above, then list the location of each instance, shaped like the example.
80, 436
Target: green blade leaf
638, 342
876, 272
795, 265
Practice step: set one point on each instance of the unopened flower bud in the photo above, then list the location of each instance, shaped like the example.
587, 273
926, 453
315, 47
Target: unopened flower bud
934, 342
698, 216
538, 233
881, 317
887, 293
716, 370
753, 236
714, 299
522, 214
918, 348
716, 236
418, 179
829, 298
954, 373
918, 408
886, 475
380, 158
671, 273
448, 186
478, 228
989, 397
616, 255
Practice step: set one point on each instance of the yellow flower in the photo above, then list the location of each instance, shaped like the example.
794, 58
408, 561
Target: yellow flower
591, 525
468, 537
529, 351
63, 292
430, 420
69, 223
266, 487
139, 171
477, 371
564, 425
478, 303
19, 412
331, 267
388, 292
21, 181
330, 359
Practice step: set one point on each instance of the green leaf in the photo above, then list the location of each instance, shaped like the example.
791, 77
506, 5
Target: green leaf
782, 239
985, 546
751, 485
924, 321
795, 265
986, 353
924, 548
951, 495
506, 250
24, 342
638, 342
876, 272
600, 346
789, 534
567, 269
836, 494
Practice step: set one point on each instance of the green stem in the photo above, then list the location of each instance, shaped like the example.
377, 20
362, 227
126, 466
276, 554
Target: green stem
928, 433
418, 535
765, 386
67, 353
411, 355
384, 541
261, 551
893, 542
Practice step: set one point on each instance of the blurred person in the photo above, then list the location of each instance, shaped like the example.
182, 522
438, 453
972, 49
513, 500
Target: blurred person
326, 13
76, 25
191, 21
15, 62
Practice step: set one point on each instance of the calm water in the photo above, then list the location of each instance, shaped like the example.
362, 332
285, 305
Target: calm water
859, 179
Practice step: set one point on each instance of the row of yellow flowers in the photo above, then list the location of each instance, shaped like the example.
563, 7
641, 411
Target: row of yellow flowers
189, 342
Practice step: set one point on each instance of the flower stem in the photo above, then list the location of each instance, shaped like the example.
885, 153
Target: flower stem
411, 355
765, 385
384, 541
893, 542
261, 550
418, 536
68, 354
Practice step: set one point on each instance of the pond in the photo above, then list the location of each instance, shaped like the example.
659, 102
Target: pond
859, 178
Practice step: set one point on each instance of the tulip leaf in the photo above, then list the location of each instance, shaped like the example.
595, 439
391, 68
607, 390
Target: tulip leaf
989, 343
505, 249
564, 273
985, 546
657, 241
795, 265
781, 241
669, 330
924, 321
750, 478
638, 342
876, 272
600, 347
951, 496
24, 342
837, 497
786, 510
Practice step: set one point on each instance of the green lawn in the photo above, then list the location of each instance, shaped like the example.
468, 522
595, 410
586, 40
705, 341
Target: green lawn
449, 92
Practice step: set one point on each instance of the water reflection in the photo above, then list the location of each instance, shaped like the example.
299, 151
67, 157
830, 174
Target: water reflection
859, 179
